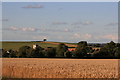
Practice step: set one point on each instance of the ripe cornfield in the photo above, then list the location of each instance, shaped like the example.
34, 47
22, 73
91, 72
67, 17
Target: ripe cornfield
59, 68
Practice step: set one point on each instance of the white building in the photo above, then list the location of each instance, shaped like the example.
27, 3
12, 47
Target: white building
34, 46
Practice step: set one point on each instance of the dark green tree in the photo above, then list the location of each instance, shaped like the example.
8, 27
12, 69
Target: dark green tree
111, 48
51, 52
44, 40
37, 52
82, 49
1, 53
107, 50
61, 49
5, 53
12, 53
97, 45
102, 53
117, 51
68, 54
25, 51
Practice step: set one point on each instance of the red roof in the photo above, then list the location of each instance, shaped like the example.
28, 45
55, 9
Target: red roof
72, 49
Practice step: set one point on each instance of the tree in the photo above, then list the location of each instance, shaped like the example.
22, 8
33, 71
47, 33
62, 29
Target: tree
102, 53
37, 52
12, 54
51, 52
38, 48
44, 40
117, 51
5, 53
68, 54
82, 49
25, 51
107, 50
111, 48
1, 53
61, 48
97, 45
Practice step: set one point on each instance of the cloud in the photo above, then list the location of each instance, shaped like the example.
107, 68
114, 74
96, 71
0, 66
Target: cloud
82, 36
76, 23
55, 30
33, 29
87, 23
112, 24
67, 30
59, 23
28, 29
107, 37
76, 35
82, 23
110, 36
33, 6
13, 28
87, 36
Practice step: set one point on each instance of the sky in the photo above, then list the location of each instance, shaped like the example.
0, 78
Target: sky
60, 21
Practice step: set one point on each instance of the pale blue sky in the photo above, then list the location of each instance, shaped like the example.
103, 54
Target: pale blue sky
60, 21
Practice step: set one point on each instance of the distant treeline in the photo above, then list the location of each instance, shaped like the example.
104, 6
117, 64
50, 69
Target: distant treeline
83, 50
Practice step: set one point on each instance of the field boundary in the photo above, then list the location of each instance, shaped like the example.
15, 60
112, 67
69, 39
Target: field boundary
60, 79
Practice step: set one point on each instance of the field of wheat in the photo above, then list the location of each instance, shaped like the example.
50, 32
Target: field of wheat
59, 68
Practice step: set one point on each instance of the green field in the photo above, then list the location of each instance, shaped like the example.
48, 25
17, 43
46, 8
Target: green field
16, 45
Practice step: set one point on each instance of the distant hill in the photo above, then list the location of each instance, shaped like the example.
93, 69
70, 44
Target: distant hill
15, 45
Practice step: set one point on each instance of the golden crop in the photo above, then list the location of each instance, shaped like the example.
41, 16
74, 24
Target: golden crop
59, 68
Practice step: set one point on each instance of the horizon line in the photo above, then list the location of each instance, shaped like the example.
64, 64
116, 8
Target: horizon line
51, 41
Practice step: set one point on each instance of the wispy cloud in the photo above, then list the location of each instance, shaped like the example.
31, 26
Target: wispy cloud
112, 24
59, 23
76, 23
82, 36
87, 23
82, 23
34, 29
33, 6
13, 28
28, 29
67, 30
55, 30
76, 35
110, 36
87, 36
107, 36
